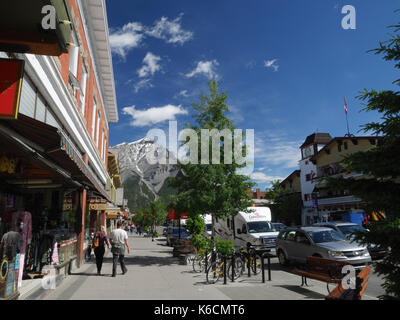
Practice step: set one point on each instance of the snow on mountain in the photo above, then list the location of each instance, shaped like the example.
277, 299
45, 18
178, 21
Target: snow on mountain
133, 163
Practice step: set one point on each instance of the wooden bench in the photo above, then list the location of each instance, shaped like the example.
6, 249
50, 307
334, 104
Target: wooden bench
326, 270
339, 293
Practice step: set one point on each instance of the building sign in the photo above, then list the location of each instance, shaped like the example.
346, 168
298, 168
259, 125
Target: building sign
67, 204
10, 87
97, 204
8, 164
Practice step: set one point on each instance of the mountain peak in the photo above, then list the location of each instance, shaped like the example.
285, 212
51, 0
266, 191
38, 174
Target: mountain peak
143, 140
134, 166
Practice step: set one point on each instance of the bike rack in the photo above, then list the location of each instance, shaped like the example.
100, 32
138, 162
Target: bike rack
263, 256
263, 266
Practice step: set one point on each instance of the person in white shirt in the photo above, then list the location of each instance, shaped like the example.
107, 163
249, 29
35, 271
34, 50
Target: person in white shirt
119, 240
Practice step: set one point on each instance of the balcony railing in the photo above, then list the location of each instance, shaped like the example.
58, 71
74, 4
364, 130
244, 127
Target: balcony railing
338, 200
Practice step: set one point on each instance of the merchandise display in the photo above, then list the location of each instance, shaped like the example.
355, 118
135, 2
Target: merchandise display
32, 238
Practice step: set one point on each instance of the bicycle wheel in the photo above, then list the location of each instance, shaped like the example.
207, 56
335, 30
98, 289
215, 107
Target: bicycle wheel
238, 269
214, 272
255, 262
199, 263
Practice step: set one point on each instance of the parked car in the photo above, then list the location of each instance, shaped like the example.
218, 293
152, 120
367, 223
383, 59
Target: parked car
168, 230
297, 243
347, 229
279, 226
174, 235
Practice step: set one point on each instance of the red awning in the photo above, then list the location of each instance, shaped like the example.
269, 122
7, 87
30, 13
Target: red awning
54, 145
173, 216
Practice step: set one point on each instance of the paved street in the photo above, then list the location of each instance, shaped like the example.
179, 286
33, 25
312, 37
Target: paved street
154, 274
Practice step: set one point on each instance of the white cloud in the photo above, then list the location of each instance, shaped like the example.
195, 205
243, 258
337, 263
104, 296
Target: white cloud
271, 64
143, 84
263, 178
276, 150
170, 31
183, 93
132, 34
150, 65
127, 38
154, 115
206, 68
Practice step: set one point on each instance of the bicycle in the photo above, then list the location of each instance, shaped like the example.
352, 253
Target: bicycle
201, 260
217, 268
250, 258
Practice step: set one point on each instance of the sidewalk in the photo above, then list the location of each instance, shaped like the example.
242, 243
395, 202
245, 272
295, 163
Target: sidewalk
154, 274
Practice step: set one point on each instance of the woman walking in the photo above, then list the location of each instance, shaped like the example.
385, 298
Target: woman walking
99, 242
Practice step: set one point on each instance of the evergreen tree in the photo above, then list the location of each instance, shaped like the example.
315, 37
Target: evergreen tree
380, 187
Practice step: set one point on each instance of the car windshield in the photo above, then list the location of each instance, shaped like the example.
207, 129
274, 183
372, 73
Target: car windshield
325, 236
349, 229
208, 226
260, 226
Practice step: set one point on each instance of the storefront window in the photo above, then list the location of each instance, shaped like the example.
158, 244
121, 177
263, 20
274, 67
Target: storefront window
37, 228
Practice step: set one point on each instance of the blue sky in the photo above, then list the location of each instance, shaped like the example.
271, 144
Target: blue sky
285, 65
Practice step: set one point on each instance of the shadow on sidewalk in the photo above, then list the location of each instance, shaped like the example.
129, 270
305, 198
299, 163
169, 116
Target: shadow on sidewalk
88, 274
145, 261
303, 291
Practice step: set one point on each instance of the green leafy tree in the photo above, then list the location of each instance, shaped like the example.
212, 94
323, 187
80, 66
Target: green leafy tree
225, 247
153, 215
380, 187
138, 218
157, 210
286, 206
195, 224
275, 191
199, 241
216, 188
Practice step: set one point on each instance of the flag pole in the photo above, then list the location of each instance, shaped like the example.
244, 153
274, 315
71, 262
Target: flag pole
347, 117
347, 120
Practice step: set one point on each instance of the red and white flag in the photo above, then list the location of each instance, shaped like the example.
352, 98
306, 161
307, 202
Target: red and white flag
345, 106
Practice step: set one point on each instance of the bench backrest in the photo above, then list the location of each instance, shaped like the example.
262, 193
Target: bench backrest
362, 281
329, 267
347, 294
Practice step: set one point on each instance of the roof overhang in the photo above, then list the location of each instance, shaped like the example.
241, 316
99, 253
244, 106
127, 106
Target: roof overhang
53, 144
97, 27
21, 27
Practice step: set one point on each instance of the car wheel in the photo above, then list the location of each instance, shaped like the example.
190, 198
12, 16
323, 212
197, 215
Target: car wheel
282, 258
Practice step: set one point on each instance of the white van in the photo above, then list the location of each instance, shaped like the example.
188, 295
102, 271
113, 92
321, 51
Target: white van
208, 222
253, 227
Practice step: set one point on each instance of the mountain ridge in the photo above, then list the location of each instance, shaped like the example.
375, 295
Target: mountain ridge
144, 182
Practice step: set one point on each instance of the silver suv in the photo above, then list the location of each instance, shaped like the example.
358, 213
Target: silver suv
347, 229
298, 243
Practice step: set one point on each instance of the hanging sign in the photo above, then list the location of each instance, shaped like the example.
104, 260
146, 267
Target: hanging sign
67, 204
97, 204
10, 87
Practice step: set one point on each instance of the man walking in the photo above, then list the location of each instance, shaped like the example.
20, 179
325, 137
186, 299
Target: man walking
119, 239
